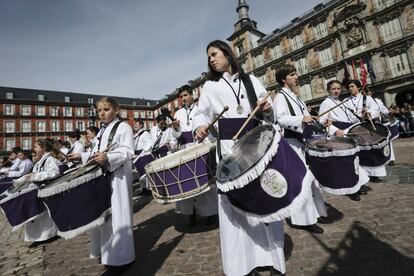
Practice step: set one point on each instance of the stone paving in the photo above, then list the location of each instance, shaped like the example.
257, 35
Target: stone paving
375, 237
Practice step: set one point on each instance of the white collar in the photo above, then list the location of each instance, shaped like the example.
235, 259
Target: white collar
228, 77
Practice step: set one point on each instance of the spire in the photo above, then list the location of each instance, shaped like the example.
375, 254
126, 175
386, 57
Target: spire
243, 9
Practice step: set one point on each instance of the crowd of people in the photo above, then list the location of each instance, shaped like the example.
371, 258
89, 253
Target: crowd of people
245, 246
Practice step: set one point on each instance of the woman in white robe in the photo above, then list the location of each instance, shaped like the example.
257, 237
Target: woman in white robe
243, 246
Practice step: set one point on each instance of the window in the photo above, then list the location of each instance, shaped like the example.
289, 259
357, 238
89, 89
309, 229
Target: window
325, 56
80, 125
54, 126
9, 126
390, 30
142, 114
258, 60
67, 111
54, 111
149, 114
136, 114
382, 4
26, 126
90, 100
67, 99
79, 111
302, 66
399, 65
26, 143
240, 49
320, 30
68, 126
124, 113
91, 123
25, 110
305, 92
276, 51
41, 126
40, 110
9, 109
9, 144
9, 95
296, 42
40, 97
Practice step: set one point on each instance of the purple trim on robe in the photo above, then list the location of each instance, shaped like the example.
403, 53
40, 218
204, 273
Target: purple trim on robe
228, 127
252, 198
342, 125
81, 205
186, 137
23, 207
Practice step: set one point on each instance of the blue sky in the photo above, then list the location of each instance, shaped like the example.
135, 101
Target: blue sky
130, 48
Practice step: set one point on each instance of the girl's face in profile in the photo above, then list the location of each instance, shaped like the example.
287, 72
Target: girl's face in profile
218, 60
38, 150
106, 112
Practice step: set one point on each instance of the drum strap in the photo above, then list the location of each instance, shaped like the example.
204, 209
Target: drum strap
251, 94
289, 133
112, 133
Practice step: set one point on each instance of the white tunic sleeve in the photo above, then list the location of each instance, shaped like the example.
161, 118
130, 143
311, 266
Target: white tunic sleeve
24, 168
205, 113
50, 170
261, 92
323, 119
283, 117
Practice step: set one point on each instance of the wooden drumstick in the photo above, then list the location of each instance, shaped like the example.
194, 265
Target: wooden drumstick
330, 109
250, 118
370, 120
225, 108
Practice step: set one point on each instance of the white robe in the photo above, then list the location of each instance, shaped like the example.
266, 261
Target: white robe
355, 103
384, 110
243, 246
25, 167
314, 206
142, 141
167, 139
42, 227
77, 147
204, 204
114, 241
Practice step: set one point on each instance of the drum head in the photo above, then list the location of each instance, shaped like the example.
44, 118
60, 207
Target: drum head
366, 135
331, 143
247, 152
70, 175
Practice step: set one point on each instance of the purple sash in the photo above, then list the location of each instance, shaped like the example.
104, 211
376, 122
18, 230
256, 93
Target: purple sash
228, 127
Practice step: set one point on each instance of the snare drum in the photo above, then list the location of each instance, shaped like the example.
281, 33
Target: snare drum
78, 201
183, 174
334, 162
141, 161
374, 144
21, 206
5, 183
264, 178
394, 128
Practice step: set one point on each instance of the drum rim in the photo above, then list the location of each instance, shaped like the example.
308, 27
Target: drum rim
345, 139
272, 128
376, 145
172, 160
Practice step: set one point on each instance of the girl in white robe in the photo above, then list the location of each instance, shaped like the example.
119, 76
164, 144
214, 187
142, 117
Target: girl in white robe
42, 228
114, 240
243, 246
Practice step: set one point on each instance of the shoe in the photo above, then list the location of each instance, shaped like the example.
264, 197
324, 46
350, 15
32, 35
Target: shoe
254, 272
391, 163
274, 272
364, 189
375, 179
355, 197
325, 220
192, 221
211, 220
313, 229
115, 270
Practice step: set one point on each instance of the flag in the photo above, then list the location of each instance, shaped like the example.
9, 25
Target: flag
354, 73
370, 69
364, 73
347, 77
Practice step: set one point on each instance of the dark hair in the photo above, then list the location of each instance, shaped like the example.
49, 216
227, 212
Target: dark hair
110, 100
140, 122
228, 52
49, 146
93, 129
75, 134
356, 82
15, 150
161, 118
330, 83
282, 72
185, 88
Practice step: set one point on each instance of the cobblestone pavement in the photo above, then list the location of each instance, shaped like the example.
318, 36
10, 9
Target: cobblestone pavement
374, 237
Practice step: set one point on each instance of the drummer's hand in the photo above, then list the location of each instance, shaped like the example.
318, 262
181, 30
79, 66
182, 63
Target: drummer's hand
175, 124
74, 156
264, 106
308, 119
339, 133
100, 157
201, 133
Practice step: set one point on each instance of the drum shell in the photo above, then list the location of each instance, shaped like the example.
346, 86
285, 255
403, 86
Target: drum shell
78, 207
254, 199
335, 172
141, 162
184, 180
22, 208
394, 130
5, 183
375, 157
